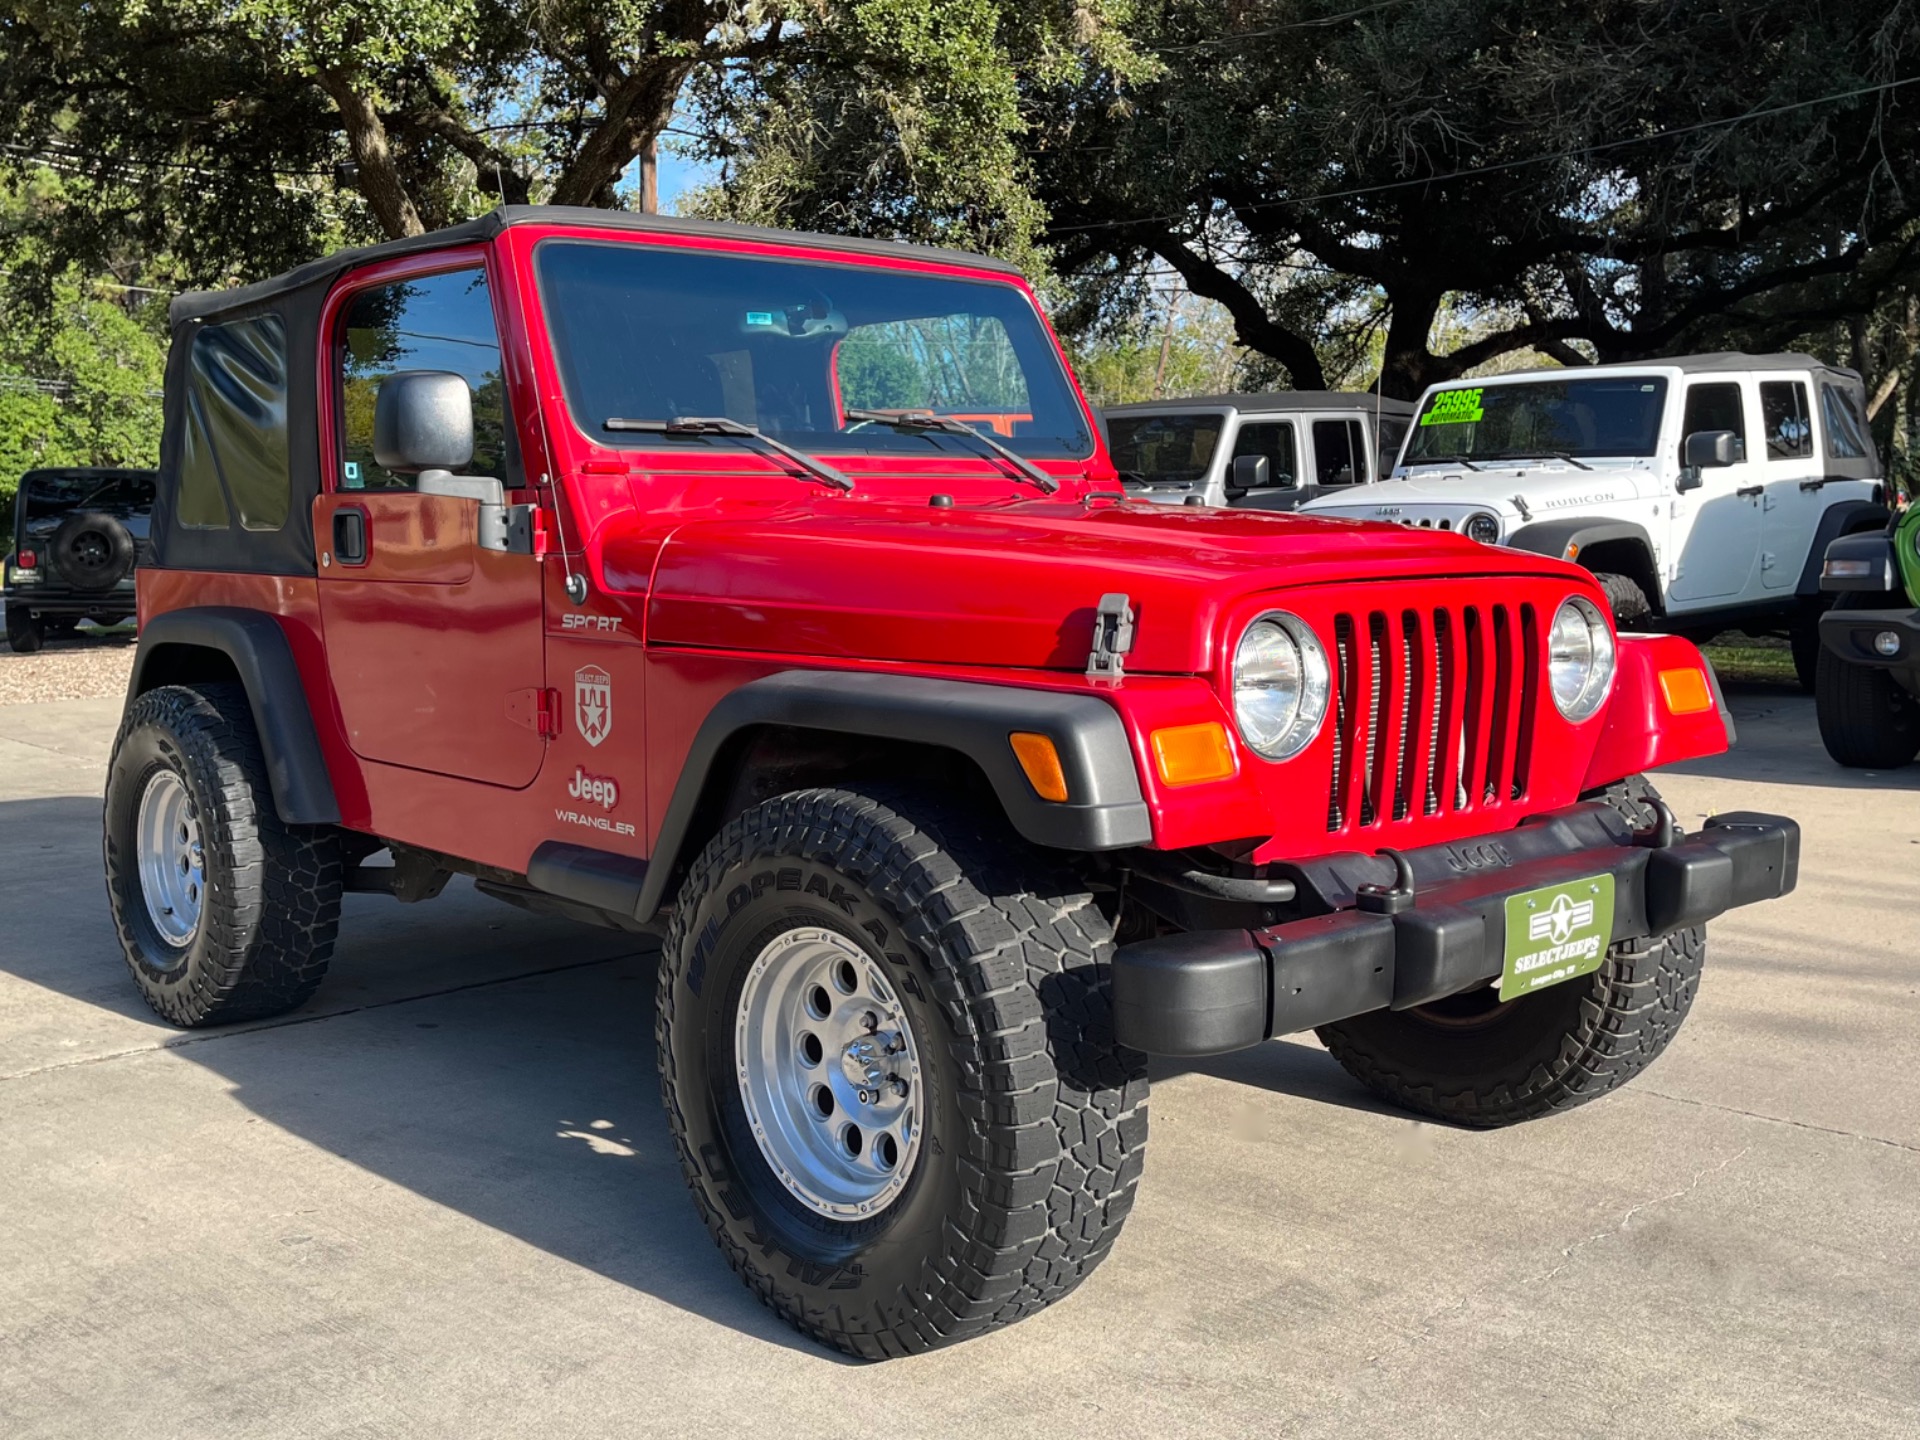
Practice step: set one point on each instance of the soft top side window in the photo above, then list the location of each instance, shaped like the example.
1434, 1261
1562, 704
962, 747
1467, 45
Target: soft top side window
427, 322
233, 454
1846, 431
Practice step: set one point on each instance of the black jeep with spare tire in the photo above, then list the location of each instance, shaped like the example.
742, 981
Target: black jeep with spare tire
78, 534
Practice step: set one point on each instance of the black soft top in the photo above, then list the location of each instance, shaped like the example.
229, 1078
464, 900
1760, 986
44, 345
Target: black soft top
320, 274
262, 371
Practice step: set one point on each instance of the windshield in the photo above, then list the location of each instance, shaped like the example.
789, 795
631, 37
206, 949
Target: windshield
1158, 449
1612, 417
646, 332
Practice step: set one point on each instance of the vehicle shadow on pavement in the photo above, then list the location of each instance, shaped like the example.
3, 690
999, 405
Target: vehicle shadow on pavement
1282, 1067
497, 1064
1778, 743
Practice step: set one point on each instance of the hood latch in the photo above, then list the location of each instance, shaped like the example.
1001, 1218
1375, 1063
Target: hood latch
1112, 638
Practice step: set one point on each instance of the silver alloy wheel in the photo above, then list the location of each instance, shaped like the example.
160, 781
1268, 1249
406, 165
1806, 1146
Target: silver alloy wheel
829, 1073
173, 867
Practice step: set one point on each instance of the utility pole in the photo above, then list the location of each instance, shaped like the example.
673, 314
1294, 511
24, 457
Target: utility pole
1166, 344
650, 177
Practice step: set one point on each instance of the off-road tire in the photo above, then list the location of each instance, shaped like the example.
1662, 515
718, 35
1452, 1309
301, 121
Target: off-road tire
1867, 719
271, 903
26, 632
1036, 1121
1625, 598
1494, 1064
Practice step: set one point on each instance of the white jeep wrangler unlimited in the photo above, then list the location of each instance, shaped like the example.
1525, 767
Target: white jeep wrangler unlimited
1702, 490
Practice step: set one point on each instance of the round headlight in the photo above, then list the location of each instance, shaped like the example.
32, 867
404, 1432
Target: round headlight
1579, 658
1281, 684
1482, 527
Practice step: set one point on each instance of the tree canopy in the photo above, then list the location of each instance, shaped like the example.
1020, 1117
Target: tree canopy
1633, 177
269, 129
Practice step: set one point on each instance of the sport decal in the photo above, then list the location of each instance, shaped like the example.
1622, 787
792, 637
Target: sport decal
593, 703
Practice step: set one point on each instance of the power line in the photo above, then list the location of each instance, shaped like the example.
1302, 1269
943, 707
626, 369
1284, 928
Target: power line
1578, 150
1240, 38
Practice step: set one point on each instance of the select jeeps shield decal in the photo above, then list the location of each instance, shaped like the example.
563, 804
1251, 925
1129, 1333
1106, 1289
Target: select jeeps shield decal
593, 703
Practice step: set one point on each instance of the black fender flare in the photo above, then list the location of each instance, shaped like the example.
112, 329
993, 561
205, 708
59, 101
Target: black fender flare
1845, 517
263, 658
1105, 809
1556, 537
1564, 537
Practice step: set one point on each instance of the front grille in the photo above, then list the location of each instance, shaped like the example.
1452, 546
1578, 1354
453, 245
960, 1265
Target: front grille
1433, 712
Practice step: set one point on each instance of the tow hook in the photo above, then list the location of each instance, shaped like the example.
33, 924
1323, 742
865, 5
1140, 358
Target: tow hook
1388, 899
1664, 830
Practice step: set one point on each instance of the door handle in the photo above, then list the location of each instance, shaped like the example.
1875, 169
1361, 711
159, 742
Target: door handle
350, 535
1747, 492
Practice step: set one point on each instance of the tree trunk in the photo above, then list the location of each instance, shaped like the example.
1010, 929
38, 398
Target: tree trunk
378, 178
1407, 366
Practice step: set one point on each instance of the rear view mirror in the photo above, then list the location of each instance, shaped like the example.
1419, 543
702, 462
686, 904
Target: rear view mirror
1710, 448
423, 420
1250, 472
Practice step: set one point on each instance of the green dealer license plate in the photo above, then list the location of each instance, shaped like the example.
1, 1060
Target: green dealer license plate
1556, 933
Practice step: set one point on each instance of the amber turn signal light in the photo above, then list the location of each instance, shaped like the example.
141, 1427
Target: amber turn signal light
1188, 754
1041, 762
1686, 690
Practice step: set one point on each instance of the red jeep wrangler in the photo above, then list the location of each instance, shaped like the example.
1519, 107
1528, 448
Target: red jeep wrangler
777, 590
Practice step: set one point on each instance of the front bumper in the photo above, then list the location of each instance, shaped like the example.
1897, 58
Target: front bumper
1207, 992
1851, 634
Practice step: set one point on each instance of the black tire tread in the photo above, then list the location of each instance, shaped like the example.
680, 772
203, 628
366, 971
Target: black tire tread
1867, 720
1625, 598
1633, 1007
1056, 1114
270, 929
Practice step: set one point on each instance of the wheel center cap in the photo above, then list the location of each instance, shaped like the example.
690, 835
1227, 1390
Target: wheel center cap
866, 1059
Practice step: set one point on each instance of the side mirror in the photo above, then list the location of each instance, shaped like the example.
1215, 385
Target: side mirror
423, 420
1711, 448
1250, 472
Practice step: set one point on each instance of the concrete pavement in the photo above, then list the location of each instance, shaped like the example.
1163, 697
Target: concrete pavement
441, 1201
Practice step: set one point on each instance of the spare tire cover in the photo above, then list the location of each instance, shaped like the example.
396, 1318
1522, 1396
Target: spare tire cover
91, 551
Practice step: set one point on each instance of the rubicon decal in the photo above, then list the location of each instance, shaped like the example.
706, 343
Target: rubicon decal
593, 703
601, 790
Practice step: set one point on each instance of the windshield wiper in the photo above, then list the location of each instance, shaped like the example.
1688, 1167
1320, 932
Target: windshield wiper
723, 425
926, 420
1443, 460
1538, 455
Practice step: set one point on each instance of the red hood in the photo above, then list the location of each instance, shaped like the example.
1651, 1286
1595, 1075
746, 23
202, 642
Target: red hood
1013, 584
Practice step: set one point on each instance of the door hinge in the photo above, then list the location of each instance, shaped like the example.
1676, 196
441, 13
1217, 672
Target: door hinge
538, 710
1112, 638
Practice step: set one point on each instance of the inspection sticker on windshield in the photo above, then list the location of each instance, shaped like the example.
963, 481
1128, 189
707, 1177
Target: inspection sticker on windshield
1556, 933
1453, 407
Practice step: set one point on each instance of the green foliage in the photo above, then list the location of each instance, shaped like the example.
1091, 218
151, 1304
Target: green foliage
84, 390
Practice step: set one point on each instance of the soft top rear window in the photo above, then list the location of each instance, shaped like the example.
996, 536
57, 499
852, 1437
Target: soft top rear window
652, 332
44, 496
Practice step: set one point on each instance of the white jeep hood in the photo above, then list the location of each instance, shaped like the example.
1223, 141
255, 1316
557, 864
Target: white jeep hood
1434, 493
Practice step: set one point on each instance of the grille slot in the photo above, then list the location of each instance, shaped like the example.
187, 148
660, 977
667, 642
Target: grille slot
1434, 712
